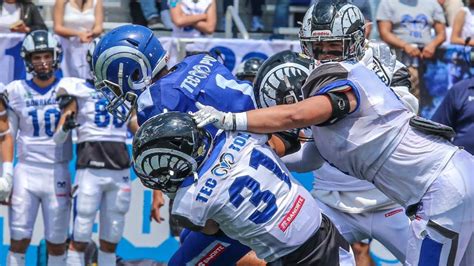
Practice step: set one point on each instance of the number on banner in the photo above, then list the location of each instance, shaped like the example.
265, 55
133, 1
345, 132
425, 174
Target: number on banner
19, 70
258, 196
49, 124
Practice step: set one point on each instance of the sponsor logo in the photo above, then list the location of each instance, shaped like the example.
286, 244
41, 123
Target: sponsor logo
388, 214
61, 184
226, 161
212, 255
321, 33
291, 215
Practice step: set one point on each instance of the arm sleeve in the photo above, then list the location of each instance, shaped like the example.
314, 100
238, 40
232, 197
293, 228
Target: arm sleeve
445, 114
13, 123
305, 160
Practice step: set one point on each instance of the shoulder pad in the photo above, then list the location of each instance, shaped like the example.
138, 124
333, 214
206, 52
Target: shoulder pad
322, 76
63, 98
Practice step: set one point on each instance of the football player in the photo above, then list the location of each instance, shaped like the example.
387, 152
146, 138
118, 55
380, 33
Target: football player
235, 185
103, 176
362, 128
358, 209
41, 175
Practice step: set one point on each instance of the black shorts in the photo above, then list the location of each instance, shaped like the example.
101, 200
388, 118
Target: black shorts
322, 248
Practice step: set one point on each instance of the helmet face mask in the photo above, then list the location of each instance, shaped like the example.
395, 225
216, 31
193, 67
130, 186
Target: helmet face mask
333, 31
42, 63
124, 62
167, 149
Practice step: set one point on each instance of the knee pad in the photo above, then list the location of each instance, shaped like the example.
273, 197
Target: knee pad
84, 216
111, 226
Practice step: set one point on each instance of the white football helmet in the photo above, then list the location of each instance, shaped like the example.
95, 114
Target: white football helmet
333, 23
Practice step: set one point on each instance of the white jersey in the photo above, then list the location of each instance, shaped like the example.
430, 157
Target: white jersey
96, 124
248, 191
375, 142
37, 114
190, 7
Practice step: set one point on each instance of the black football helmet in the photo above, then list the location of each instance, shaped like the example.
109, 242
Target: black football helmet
41, 41
168, 148
247, 70
280, 78
333, 23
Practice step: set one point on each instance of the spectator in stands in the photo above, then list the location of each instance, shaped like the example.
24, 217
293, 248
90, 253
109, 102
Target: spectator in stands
78, 22
463, 26
155, 19
20, 16
193, 18
451, 8
256, 5
78, 18
457, 111
406, 26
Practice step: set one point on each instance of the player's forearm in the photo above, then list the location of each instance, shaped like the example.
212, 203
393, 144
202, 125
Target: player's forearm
312, 111
187, 20
7, 148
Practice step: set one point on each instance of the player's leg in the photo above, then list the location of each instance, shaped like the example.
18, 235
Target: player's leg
56, 206
114, 206
22, 211
86, 203
200, 248
392, 229
444, 222
344, 223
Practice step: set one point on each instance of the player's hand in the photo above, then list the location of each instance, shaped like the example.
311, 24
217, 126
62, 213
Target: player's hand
209, 115
380, 59
158, 202
70, 122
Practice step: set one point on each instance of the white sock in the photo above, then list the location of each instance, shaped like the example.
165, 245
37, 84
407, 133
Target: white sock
56, 260
15, 259
106, 259
75, 258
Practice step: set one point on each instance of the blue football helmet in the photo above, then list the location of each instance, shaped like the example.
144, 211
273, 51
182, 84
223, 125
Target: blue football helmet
124, 62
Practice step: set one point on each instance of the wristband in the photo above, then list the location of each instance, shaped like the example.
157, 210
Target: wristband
240, 121
7, 169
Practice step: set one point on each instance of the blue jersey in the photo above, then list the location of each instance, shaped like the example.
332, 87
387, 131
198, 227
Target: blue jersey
457, 111
200, 249
199, 78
